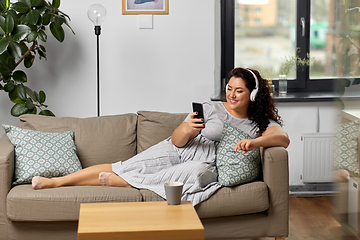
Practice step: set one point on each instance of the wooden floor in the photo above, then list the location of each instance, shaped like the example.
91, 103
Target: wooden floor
311, 218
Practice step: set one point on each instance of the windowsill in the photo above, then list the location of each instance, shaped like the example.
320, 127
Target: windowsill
305, 97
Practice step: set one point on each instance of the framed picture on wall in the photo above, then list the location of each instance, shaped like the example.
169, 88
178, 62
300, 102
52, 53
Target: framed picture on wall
136, 7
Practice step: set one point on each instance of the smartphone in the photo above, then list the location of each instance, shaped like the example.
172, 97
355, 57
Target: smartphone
197, 107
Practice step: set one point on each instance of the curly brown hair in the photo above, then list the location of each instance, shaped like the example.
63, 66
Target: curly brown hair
263, 108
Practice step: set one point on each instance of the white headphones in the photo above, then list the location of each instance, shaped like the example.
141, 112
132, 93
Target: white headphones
255, 90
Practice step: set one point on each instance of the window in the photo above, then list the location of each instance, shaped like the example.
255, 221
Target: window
327, 30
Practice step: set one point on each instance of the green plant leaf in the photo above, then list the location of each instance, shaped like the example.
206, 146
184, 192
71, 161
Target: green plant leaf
33, 111
30, 93
66, 23
47, 113
56, 3
59, 20
14, 97
41, 8
10, 62
46, 18
32, 17
14, 16
36, 97
7, 64
29, 104
18, 109
24, 47
22, 19
14, 49
27, 2
42, 35
20, 76
36, 3
42, 97
32, 36
2, 24
4, 43
42, 54
57, 32
7, 4
1, 87
9, 24
20, 7
20, 91
29, 60
9, 87
42, 48
20, 32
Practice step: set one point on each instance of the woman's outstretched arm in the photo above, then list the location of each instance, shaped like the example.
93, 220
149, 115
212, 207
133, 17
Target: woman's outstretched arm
272, 137
187, 131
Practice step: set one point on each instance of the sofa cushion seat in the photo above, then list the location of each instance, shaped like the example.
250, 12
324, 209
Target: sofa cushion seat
238, 200
61, 204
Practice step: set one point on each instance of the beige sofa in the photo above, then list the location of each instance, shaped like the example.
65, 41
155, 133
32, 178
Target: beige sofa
257, 209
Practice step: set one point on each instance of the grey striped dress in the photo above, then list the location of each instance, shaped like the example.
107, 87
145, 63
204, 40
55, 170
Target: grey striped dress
193, 164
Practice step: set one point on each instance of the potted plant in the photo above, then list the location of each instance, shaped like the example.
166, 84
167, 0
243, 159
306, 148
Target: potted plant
288, 65
22, 28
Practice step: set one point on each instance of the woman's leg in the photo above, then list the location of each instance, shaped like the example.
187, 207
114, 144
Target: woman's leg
85, 177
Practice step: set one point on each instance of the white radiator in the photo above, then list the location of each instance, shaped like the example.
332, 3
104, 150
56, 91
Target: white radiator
318, 157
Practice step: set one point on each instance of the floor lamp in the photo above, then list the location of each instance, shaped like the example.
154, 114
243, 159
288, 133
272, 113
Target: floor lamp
96, 14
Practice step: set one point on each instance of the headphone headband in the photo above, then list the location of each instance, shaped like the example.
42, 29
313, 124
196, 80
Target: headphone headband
256, 79
254, 92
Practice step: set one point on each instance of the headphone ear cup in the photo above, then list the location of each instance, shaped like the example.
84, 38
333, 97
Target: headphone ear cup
253, 94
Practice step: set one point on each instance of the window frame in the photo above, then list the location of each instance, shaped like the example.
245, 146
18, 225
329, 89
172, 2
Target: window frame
302, 82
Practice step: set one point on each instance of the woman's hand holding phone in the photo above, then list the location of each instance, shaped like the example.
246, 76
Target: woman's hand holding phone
196, 123
190, 129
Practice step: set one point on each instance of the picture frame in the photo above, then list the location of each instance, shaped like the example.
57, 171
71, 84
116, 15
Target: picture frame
136, 7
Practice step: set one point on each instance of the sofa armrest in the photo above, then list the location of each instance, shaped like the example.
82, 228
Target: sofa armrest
276, 176
7, 154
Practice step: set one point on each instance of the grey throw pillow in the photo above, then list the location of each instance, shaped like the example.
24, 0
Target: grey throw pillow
236, 168
42, 154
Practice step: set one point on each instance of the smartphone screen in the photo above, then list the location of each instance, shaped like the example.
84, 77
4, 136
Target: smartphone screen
197, 107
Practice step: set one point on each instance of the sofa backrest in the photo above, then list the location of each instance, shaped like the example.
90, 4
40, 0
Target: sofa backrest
98, 140
154, 127
108, 139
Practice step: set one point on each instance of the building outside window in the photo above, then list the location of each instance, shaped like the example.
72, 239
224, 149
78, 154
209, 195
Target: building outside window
265, 32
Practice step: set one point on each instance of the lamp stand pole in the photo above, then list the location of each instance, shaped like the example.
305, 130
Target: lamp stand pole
97, 33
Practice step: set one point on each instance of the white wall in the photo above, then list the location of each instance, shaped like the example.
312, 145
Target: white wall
162, 69
303, 118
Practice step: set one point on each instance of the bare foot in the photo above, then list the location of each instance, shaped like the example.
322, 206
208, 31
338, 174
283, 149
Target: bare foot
342, 175
104, 178
35, 182
42, 183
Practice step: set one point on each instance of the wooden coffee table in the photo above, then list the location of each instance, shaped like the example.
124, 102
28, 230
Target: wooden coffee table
139, 220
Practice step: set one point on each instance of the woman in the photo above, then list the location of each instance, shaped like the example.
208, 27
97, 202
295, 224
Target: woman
189, 154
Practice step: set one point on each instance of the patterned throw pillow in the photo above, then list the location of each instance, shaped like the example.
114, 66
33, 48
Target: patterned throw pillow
236, 168
346, 147
42, 154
